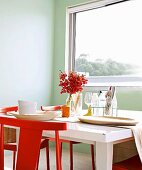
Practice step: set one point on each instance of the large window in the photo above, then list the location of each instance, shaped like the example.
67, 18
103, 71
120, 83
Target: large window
105, 42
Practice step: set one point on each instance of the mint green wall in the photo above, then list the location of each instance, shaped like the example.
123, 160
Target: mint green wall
26, 50
59, 50
130, 98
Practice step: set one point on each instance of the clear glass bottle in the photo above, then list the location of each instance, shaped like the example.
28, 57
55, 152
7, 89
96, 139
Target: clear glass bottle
114, 105
102, 102
95, 104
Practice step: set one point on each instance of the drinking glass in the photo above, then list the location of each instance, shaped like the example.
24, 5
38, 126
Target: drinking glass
88, 98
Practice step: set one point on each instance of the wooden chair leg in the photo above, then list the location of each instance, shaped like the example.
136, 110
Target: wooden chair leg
14, 159
71, 156
92, 155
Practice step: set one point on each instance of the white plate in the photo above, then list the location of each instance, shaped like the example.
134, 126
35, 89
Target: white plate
103, 120
39, 115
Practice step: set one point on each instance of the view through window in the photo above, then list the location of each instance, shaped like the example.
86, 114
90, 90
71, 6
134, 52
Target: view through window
108, 42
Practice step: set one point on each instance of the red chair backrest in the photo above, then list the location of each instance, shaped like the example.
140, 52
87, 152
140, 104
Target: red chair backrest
8, 109
29, 141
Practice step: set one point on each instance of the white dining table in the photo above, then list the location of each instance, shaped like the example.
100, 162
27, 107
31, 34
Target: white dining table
103, 137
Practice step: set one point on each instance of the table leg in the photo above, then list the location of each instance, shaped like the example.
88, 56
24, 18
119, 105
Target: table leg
104, 156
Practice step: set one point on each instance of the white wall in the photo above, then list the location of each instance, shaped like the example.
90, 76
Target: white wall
26, 50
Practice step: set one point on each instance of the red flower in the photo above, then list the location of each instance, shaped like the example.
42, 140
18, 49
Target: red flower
72, 83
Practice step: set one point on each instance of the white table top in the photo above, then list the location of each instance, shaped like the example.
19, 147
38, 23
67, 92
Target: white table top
89, 133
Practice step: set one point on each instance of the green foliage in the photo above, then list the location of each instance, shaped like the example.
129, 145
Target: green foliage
102, 68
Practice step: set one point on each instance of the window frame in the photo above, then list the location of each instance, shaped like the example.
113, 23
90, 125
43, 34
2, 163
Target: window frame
99, 81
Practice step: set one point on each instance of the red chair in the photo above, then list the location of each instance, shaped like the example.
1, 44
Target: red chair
13, 146
132, 163
29, 141
71, 143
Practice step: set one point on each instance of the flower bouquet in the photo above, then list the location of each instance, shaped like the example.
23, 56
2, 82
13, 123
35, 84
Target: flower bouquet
72, 83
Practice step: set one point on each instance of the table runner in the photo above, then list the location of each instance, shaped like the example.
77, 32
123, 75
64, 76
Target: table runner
137, 132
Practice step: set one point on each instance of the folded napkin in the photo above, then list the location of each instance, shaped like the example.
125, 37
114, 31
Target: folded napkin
137, 132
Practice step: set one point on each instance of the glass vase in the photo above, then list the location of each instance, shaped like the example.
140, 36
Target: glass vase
76, 104
68, 100
66, 109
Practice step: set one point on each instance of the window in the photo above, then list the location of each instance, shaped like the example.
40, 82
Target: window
105, 42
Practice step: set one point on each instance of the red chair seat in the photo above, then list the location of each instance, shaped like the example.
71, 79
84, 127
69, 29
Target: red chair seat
13, 146
133, 163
